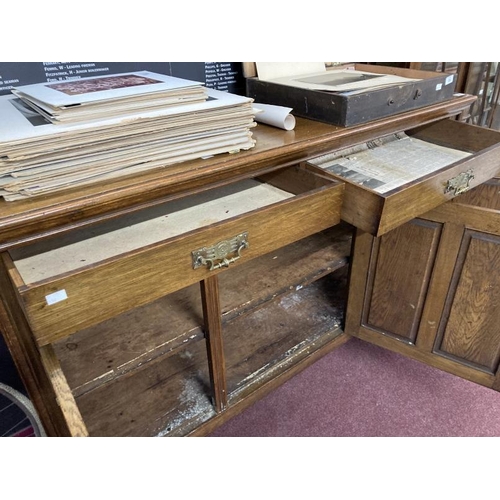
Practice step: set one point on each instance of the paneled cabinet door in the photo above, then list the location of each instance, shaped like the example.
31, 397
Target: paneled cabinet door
431, 290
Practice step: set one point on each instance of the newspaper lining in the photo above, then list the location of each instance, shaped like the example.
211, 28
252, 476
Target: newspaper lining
389, 162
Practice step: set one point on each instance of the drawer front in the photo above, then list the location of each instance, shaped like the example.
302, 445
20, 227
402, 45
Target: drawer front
61, 305
378, 212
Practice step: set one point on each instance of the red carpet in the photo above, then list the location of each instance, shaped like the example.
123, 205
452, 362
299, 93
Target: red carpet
364, 390
26, 432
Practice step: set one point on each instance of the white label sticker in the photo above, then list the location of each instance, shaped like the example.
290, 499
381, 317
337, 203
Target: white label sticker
56, 297
439, 86
449, 79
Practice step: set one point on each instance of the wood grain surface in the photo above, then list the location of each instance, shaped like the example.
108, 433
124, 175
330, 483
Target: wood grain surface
471, 331
402, 262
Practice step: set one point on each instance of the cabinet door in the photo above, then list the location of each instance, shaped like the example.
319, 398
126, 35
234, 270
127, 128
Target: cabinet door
468, 329
431, 290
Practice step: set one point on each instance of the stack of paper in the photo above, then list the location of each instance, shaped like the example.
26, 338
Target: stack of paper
39, 157
107, 96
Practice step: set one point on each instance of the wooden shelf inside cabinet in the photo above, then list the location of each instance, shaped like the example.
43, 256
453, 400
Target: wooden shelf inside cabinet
168, 396
290, 304
112, 365
283, 333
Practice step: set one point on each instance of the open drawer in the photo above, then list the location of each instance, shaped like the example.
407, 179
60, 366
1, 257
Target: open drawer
81, 279
398, 177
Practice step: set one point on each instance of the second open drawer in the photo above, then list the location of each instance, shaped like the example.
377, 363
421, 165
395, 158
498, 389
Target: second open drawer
396, 178
87, 277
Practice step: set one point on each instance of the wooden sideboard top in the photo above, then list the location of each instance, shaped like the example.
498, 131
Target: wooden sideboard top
39, 217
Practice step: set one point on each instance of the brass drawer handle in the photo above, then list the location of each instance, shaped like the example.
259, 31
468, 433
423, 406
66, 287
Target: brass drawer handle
460, 183
208, 256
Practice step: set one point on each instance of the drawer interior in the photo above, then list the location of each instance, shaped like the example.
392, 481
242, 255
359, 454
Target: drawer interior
148, 227
391, 162
143, 229
457, 135
394, 161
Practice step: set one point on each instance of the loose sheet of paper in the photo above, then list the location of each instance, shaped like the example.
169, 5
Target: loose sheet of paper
315, 76
272, 70
277, 116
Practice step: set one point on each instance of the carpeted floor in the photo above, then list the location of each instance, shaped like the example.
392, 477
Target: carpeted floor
364, 390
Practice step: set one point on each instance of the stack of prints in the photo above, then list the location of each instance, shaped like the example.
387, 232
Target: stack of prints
59, 136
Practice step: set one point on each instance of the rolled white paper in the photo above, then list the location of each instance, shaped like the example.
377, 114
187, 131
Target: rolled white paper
277, 116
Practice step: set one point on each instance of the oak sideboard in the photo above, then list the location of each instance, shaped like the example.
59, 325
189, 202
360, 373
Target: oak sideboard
162, 304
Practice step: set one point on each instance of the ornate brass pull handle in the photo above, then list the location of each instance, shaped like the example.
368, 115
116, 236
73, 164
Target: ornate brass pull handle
460, 183
216, 256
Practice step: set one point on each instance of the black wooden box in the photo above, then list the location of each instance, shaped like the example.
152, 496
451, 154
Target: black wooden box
348, 110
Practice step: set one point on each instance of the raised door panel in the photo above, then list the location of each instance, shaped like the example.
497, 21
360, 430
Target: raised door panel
468, 332
398, 279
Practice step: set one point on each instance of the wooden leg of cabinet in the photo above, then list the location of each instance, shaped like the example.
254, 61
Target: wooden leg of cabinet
213, 329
